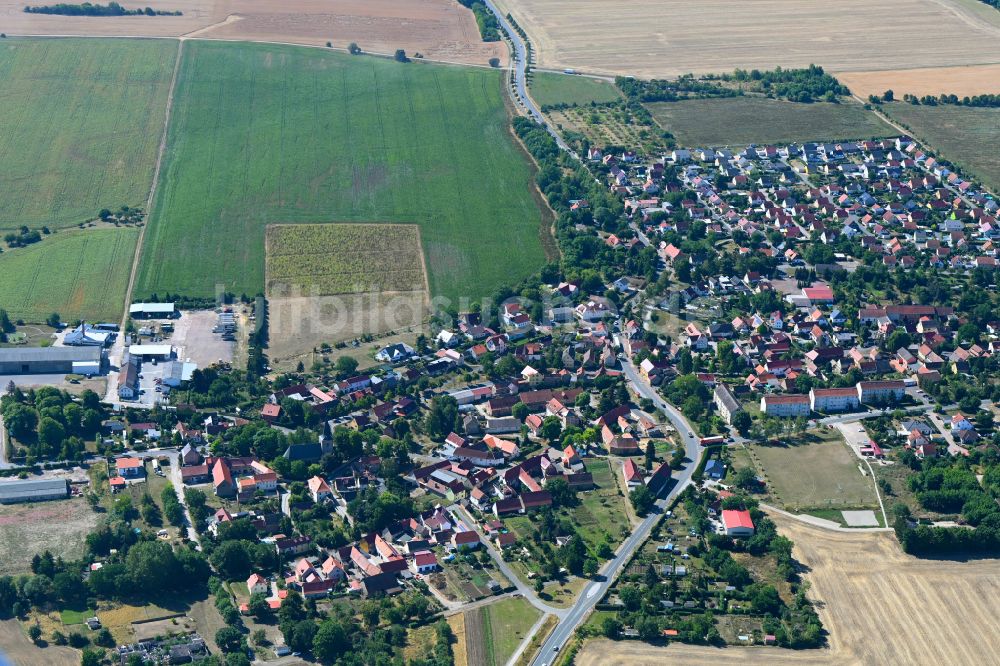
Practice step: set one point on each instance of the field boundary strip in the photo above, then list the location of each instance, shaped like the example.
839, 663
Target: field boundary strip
161, 150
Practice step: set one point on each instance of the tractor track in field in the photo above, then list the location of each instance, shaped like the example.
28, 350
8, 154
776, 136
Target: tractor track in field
156, 179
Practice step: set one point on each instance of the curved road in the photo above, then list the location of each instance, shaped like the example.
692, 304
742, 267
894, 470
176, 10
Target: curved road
597, 589
519, 69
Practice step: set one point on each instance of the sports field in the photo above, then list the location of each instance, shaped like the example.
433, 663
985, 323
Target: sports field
80, 122
264, 134
818, 471
549, 88
736, 121
966, 136
77, 273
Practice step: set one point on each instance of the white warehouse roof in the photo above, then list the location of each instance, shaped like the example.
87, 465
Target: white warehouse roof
150, 350
166, 308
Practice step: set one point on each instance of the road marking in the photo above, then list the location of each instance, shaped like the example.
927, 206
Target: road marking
594, 588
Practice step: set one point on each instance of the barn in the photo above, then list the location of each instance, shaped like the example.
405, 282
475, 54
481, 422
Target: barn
49, 360
152, 311
737, 523
33, 490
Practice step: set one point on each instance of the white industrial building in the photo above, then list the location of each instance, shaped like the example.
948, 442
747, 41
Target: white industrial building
86, 335
152, 311
147, 352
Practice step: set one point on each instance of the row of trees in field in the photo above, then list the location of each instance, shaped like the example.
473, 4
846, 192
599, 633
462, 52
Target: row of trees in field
24, 236
980, 101
806, 85
88, 9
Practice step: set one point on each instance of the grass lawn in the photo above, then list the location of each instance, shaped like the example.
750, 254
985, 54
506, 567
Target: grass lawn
75, 616
81, 274
240, 589
263, 134
966, 136
549, 88
737, 121
817, 470
563, 593
505, 624
602, 510
81, 126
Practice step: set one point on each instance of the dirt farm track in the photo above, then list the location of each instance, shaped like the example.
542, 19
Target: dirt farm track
438, 29
650, 38
879, 606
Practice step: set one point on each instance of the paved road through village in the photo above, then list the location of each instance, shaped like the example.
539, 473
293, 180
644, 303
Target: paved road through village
597, 589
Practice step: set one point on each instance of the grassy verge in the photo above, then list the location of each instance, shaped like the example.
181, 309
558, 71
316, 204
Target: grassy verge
548, 88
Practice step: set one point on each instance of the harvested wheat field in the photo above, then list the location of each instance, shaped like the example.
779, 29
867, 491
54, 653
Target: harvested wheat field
879, 605
650, 38
437, 29
961, 81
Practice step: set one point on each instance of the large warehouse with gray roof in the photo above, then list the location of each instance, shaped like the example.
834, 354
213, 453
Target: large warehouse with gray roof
33, 490
53, 360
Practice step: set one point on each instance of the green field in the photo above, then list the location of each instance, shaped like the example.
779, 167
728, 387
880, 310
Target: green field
966, 136
264, 134
817, 470
738, 121
77, 273
505, 624
550, 88
80, 124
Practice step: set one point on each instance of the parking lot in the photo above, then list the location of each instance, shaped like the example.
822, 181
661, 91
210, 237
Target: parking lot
194, 340
855, 435
149, 381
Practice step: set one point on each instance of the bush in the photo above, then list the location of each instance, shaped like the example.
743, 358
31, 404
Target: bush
353, 48
400, 56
